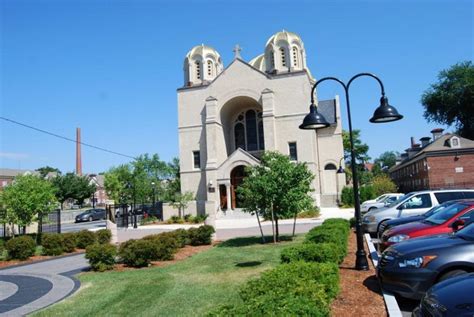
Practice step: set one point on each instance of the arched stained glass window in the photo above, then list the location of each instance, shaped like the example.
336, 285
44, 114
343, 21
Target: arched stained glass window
330, 167
248, 131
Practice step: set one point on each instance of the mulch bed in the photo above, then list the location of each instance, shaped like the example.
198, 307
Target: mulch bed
35, 258
360, 293
181, 255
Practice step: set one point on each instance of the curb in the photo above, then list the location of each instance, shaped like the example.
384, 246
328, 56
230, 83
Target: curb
390, 302
41, 261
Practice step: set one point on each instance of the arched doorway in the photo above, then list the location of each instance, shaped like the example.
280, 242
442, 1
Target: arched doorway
330, 181
236, 178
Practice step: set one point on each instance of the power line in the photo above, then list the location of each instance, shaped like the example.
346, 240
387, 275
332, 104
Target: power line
65, 138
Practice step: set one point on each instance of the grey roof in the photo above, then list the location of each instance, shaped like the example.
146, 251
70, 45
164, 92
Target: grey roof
11, 172
328, 109
438, 146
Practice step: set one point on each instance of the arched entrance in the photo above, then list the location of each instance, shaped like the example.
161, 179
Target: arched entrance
236, 178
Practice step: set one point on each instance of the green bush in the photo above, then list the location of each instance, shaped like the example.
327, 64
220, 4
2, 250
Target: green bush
101, 256
175, 219
52, 244
85, 238
2, 247
187, 218
352, 222
314, 212
201, 235
69, 241
20, 248
338, 224
367, 192
104, 236
149, 219
199, 218
323, 234
313, 252
182, 237
137, 253
165, 245
347, 196
383, 184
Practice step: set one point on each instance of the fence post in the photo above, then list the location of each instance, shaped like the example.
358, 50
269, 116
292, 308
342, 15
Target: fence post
59, 220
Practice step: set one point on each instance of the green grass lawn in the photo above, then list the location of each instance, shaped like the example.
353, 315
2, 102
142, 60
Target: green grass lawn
188, 288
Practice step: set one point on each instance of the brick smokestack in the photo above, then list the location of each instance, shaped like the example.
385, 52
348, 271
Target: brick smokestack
78, 152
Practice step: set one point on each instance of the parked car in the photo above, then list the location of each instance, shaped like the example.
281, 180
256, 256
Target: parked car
386, 200
379, 198
91, 214
451, 298
447, 220
410, 268
412, 204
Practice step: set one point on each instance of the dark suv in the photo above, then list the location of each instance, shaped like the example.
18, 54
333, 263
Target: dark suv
410, 268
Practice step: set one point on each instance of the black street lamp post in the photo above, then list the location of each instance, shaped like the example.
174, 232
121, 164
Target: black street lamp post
134, 214
315, 120
154, 191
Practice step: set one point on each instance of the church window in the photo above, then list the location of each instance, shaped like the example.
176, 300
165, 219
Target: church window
330, 167
293, 151
197, 159
283, 57
272, 59
248, 131
198, 70
295, 56
209, 68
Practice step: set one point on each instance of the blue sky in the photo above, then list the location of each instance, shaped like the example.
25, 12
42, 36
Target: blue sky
113, 67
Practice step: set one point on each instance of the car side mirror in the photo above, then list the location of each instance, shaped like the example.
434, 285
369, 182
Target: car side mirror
457, 223
401, 207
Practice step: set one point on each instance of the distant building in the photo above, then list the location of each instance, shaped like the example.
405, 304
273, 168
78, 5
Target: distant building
445, 161
100, 196
7, 175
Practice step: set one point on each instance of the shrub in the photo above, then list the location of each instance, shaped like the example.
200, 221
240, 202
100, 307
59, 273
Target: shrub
338, 224
352, 222
201, 235
383, 184
182, 237
335, 235
20, 248
187, 218
150, 219
85, 238
52, 244
175, 219
101, 256
199, 218
347, 196
137, 253
313, 252
165, 245
104, 236
69, 241
367, 192
314, 212
2, 247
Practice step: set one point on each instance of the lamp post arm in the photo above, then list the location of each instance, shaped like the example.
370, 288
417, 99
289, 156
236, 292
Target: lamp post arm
324, 79
368, 75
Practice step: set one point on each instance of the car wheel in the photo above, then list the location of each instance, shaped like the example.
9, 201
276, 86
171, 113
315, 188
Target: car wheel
379, 234
450, 274
372, 208
90, 218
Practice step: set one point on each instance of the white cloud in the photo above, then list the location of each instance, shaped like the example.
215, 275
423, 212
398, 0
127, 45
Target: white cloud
14, 156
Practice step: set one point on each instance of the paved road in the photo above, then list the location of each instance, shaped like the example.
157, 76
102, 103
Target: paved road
27, 288
73, 227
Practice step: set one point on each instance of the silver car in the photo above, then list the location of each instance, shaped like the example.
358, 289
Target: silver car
379, 202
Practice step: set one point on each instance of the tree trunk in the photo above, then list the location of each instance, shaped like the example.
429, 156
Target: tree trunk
260, 226
277, 232
273, 226
294, 224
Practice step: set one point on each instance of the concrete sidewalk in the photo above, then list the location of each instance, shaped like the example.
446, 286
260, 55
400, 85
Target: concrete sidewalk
27, 288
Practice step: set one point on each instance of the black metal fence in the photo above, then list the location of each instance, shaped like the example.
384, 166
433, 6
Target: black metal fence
125, 215
51, 222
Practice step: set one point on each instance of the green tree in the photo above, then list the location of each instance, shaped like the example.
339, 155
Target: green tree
360, 149
47, 169
72, 186
386, 160
173, 184
383, 184
276, 189
27, 199
451, 99
181, 202
115, 181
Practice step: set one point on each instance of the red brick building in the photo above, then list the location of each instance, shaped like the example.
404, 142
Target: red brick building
446, 161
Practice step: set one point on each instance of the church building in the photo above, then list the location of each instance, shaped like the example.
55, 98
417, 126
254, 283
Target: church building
227, 117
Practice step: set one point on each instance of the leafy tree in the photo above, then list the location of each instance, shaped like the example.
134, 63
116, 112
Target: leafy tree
383, 184
27, 199
360, 149
386, 160
173, 184
115, 182
276, 189
47, 169
72, 186
451, 99
181, 202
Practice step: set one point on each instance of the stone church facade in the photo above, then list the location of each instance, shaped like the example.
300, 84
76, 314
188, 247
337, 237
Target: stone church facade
228, 116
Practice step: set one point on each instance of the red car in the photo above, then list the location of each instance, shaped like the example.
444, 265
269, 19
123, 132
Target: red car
445, 221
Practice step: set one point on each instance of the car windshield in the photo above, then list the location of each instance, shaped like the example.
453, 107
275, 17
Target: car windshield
467, 233
436, 209
381, 198
399, 200
445, 214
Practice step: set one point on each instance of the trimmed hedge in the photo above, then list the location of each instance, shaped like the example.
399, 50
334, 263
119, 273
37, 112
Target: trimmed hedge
52, 244
69, 241
20, 248
201, 235
101, 256
165, 246
104, 236
85, 238
313, 252
137, 253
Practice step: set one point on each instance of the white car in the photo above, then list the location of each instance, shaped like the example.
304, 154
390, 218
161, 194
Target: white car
412, 204
380, 202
